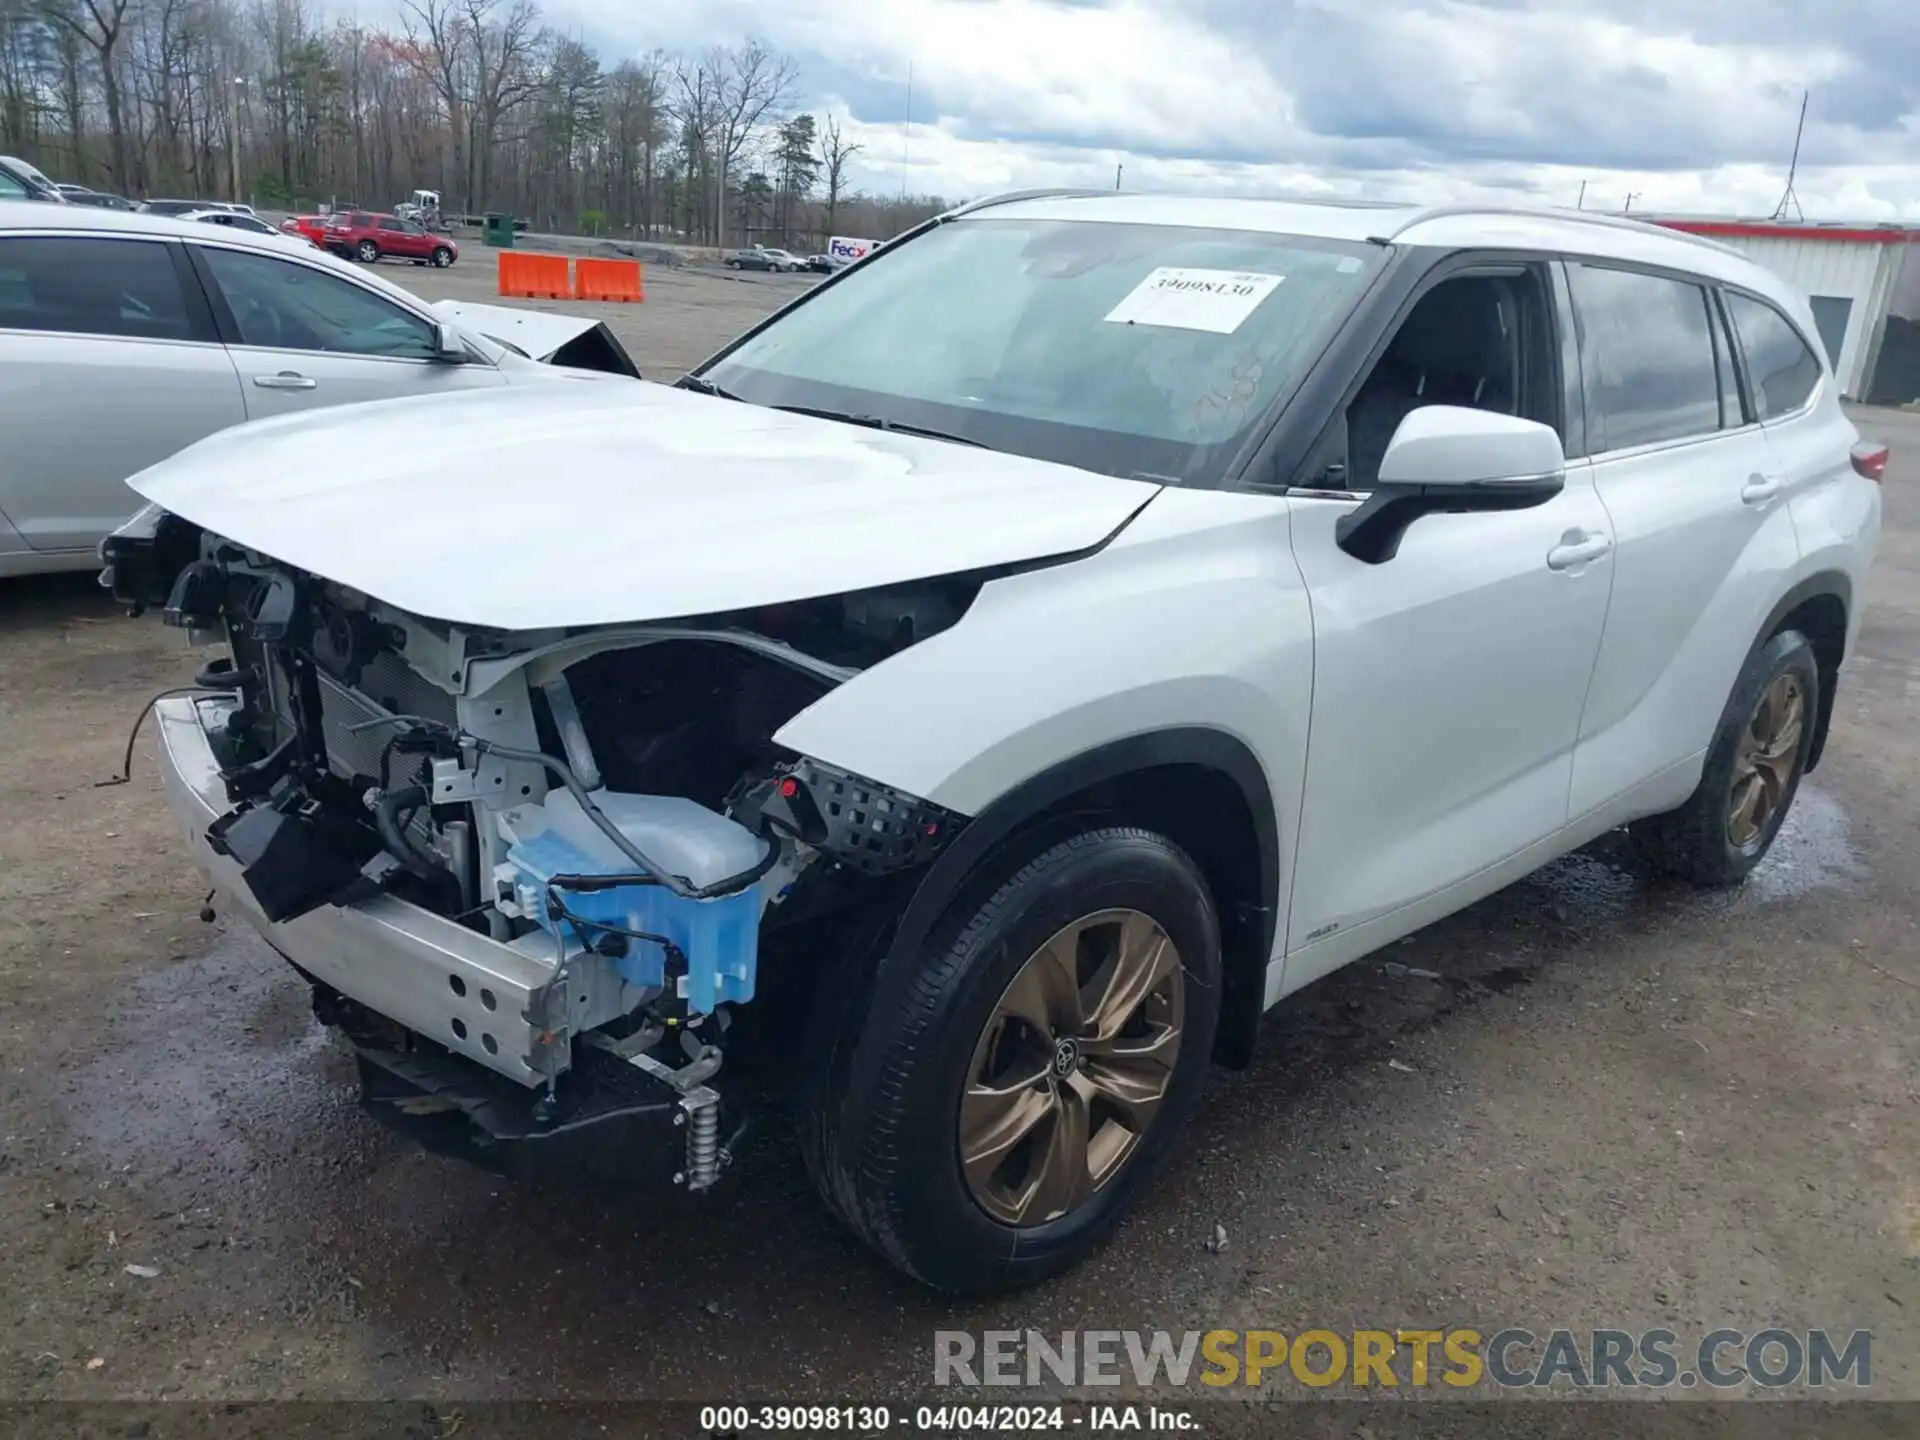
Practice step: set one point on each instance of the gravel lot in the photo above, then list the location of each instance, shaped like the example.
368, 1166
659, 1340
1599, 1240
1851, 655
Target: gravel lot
1621, 1103
690, 311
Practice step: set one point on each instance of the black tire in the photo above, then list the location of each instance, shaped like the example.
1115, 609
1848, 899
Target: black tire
366, 252
442, 257
733, 264
1694, 841
895, 1177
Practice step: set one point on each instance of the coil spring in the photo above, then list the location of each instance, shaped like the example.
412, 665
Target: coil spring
703, 1146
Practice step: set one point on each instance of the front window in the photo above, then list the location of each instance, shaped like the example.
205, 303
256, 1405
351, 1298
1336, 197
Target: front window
279, 305
1137, 350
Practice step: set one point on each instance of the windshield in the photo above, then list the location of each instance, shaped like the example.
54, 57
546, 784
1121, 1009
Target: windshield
1132, 350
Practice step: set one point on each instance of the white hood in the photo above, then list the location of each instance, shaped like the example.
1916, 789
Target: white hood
560, 506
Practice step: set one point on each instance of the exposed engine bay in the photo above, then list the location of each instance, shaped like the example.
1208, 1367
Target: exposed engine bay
608, 805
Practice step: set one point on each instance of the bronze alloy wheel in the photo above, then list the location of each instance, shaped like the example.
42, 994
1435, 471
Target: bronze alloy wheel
1764, 763
1071, 1067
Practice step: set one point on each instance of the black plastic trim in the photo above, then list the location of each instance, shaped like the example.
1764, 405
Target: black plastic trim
1832, 583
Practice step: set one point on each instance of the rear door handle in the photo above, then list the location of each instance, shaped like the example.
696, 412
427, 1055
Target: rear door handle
1575, 553
286, 380
1759, 489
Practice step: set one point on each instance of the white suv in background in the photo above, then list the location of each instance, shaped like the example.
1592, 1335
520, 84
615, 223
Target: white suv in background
1005, 673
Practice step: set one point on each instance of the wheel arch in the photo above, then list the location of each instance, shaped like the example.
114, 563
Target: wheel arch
1818, 607
1204, 788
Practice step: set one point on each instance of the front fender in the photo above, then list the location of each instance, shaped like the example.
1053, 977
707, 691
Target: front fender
1195, 616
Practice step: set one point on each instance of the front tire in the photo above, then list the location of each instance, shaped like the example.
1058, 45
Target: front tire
366, 252
1053, 1043
1751, 775
442, 257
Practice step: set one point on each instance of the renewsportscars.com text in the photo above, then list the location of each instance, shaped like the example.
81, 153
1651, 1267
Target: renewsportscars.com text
1510, 1358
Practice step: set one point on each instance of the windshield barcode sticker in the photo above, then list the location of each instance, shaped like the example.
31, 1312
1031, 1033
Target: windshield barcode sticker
1216, 300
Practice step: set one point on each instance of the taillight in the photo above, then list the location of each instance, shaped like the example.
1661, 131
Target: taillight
1870, 459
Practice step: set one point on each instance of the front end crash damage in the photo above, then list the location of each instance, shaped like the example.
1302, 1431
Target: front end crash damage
538, 879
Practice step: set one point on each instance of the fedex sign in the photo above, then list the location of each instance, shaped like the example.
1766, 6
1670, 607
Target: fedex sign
846, 250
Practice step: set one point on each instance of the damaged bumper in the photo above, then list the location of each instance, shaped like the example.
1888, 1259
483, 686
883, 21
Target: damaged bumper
466, 992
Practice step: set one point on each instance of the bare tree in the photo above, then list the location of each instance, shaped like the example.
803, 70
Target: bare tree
753, 83
698, 113
506, 74
474, 98
835, 152
437, 48
99, 24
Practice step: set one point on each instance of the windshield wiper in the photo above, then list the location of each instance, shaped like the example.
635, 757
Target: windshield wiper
701, 386
875, 422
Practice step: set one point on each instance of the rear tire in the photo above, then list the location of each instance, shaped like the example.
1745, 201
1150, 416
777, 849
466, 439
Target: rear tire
1751, 775
366, 252
1095, 1083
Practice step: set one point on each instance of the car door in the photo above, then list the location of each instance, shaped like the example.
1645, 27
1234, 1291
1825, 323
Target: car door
1448, 678
392, 238
1701, 530
109, 363
304, 337
418, 241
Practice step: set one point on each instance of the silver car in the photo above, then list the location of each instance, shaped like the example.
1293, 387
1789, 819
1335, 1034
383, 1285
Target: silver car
124, 338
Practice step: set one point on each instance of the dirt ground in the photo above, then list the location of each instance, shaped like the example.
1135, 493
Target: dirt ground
1620, 1103
690, 311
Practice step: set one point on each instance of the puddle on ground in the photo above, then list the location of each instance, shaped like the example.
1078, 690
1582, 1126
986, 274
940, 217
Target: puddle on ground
1811, 852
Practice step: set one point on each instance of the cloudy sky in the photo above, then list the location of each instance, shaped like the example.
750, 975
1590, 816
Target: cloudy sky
1689, 105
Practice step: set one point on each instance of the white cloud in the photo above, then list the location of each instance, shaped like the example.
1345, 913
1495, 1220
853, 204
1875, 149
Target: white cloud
1688, 104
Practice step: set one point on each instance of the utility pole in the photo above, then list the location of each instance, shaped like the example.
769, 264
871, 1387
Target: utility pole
1116, 175
1632, 195
1581, 203
233, 134
906, 128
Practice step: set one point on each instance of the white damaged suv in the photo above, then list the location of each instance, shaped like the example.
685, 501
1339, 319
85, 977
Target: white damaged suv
982, 690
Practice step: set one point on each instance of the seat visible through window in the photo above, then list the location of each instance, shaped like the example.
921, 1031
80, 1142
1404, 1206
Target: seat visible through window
1465, 343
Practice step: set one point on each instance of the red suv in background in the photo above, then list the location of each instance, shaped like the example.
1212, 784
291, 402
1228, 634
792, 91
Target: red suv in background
362, 235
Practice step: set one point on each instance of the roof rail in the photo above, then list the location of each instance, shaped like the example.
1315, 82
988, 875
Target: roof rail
1555, 212
1052, 192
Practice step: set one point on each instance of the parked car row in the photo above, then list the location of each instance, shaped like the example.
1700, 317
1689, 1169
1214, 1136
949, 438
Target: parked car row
762, 257
20, 180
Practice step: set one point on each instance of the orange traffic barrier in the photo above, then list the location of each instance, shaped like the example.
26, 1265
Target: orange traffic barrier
534, 277
607, 280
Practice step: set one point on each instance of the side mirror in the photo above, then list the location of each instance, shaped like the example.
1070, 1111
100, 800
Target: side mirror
1448, 458
448, 347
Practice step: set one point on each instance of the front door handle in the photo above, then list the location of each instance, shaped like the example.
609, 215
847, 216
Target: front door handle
1572, 553
1759, 489
286, 380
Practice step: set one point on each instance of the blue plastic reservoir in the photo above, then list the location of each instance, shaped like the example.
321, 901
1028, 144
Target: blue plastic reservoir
720, 938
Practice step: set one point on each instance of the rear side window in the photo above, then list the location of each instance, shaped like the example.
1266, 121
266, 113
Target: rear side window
391, 225
10, 188
81, 286
1780, 367
1647, 355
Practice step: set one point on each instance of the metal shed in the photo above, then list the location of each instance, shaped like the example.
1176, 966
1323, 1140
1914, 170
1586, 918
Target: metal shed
1851, 272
